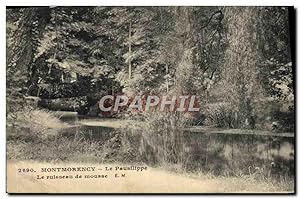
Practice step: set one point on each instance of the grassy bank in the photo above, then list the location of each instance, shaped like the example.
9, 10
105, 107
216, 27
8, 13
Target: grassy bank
37, 136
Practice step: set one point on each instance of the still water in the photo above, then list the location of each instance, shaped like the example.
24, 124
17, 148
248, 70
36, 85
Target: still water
221, 154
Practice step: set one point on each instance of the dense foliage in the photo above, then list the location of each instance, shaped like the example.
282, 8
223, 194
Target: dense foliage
222, 54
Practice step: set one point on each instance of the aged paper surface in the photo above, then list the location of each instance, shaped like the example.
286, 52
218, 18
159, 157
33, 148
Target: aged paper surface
148, 181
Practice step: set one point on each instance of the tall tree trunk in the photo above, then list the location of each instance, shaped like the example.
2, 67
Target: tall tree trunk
239, 70
20, 50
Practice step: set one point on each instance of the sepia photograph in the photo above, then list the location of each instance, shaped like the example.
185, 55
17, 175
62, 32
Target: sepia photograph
150, 100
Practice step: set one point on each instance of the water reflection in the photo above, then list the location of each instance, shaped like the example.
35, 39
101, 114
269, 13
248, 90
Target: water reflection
221, 154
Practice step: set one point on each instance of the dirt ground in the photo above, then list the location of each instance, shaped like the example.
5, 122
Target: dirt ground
152, 180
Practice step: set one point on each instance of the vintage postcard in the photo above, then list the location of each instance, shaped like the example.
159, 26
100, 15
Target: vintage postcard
150, 100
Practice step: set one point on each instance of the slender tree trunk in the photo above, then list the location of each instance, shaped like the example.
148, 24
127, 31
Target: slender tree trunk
184, 63
129, 49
